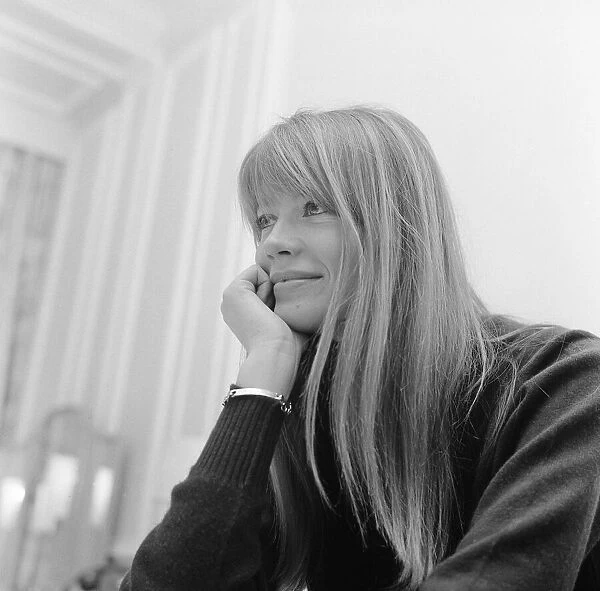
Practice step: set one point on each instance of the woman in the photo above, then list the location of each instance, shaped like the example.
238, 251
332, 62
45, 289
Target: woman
430, 445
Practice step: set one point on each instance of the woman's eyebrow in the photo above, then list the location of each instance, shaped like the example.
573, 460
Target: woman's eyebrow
266, 205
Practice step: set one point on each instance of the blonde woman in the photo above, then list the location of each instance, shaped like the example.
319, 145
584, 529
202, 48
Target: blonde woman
385, 431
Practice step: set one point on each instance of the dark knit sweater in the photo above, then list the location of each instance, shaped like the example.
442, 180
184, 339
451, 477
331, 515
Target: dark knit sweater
531, 510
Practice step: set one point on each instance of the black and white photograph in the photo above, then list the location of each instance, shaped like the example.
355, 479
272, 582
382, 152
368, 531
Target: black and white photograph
299, 295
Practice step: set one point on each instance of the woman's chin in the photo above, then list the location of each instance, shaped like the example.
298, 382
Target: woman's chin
297, 321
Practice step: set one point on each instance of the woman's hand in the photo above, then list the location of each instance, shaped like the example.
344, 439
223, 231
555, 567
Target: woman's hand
247, 308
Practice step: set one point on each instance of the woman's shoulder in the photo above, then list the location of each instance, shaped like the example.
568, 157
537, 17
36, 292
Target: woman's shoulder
537, 349
530, 470
546, 371
548, 392
554, 380
511, 327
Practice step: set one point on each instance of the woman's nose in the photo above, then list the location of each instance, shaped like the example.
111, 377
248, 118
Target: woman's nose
281, 237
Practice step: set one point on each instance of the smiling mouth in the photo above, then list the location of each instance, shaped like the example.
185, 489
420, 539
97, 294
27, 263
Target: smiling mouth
290, 283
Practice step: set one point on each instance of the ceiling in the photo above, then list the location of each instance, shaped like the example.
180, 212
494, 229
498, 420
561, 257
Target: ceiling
57, 55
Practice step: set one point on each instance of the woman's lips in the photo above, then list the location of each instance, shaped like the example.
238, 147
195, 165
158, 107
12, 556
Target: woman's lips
294, 283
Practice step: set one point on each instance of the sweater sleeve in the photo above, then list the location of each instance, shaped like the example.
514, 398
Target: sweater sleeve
537, 518
210, 537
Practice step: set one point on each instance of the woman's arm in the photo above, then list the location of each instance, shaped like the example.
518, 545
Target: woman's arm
210, 538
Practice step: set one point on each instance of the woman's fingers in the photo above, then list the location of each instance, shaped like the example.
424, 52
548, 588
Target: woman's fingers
247, 308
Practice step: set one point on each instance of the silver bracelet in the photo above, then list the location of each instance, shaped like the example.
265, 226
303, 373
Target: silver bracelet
286, 407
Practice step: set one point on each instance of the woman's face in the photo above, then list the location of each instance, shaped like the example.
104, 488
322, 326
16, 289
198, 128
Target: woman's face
300, 237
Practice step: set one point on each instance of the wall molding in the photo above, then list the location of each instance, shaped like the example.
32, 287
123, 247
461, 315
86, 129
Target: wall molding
77, 324
170, 367
98, 246
195, 252
139, 231
47, 60
109, 22
68, 51
35, 100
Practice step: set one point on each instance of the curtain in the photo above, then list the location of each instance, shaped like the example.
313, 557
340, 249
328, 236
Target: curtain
29, 194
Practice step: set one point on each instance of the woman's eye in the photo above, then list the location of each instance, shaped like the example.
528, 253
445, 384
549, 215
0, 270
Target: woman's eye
259, 222
308, 203
262, 221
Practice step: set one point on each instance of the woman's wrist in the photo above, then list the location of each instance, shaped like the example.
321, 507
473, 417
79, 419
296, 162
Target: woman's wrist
273, 370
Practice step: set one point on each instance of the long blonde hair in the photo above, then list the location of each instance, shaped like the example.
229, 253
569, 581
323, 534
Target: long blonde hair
415, 349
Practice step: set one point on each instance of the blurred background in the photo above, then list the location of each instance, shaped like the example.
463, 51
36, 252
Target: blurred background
122, 124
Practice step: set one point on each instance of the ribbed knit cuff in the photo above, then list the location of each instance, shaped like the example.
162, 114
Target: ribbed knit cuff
241, 445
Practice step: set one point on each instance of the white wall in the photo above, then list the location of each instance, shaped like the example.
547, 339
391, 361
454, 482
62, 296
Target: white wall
508, 95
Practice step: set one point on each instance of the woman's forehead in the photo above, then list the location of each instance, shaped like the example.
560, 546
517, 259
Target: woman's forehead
268, 196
